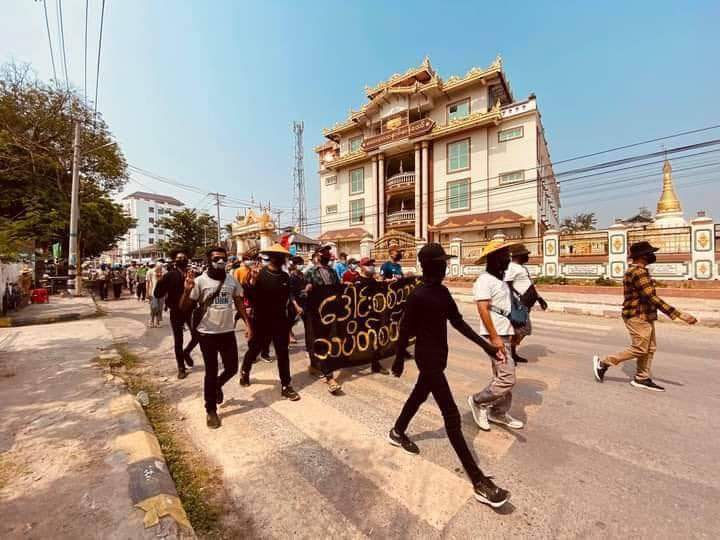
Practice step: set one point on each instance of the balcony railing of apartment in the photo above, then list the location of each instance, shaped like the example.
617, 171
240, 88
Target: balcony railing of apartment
395, 218
400, 180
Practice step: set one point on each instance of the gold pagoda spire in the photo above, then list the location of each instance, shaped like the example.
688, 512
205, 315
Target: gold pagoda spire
669, 201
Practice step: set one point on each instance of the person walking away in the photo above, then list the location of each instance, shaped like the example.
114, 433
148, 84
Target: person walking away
427, 312
639, 313
297, 285
391, 268
117, 279
156, 304
103, 277
132, 277
171, 287
217, 296
269, 294
321, 274
494, 303
141, 286
341, 265
518, 277
351, 275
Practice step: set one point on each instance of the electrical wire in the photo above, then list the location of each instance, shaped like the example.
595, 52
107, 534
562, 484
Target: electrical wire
97, 72
87, 6
52, 55
62, 40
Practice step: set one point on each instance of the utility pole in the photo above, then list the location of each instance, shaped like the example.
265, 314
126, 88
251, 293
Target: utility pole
299, 200
73, 259
217, 206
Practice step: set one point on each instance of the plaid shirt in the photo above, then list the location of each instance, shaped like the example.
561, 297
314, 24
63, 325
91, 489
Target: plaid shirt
641, 301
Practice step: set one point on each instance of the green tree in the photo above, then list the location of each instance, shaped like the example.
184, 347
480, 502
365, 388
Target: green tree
579, 222
36, 150
190, 232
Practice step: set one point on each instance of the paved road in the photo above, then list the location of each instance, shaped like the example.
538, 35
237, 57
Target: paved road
594, 460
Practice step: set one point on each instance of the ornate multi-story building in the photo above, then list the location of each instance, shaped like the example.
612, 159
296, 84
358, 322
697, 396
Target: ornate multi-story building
431, 159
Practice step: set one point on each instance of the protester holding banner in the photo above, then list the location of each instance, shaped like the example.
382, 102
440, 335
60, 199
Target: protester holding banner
368, 273
351, 275
270, 294
498, 312
391, 269
297, 292
427, 312
321, 274
341, 265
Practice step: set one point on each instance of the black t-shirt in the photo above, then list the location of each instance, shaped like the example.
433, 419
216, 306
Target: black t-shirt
270, 295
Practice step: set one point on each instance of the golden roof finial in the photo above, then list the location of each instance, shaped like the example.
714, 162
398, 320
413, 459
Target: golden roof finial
426, 61
669, 201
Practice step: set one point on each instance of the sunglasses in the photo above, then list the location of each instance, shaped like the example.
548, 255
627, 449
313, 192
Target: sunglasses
218, 259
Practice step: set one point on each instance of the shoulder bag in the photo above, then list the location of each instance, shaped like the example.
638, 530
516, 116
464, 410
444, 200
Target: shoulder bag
519, 314
202, 307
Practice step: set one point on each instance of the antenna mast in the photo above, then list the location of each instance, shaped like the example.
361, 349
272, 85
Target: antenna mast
299, 201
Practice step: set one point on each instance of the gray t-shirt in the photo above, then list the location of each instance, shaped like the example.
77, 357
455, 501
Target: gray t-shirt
220, 315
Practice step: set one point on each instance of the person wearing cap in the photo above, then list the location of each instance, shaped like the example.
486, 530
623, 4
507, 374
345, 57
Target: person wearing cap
427, 312
368, 273
270, 296
351, 275
639, 312
341, 264
492, 296
391, 268
518, 277
319, 275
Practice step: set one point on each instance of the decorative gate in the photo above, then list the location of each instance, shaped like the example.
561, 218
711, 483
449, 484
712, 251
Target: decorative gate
406, 243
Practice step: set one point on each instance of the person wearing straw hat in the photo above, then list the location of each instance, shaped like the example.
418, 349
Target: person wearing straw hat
270, 296
494, 304
518, 277
639, 312
427, 312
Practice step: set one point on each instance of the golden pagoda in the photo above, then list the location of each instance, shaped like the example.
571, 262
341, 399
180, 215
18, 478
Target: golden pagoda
669, 210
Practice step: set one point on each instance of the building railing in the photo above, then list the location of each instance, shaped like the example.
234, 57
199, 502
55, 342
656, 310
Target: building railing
400, 179
400, 217
584, 244
669, 240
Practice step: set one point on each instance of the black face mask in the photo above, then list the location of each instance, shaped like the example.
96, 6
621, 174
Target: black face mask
397, 257
434, 271
325, 260
650, 258
181, 264
277, 262
523, 259
497, 265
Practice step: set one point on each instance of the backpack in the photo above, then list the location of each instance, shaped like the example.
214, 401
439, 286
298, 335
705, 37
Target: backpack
519, 314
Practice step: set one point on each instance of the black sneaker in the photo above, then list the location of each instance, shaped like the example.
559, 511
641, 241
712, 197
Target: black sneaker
267, 357
380, 369
599, 368
402, 440
182, 374
188, 360
288, 392
487, 492
213, 420
220, 396
244, 378
646, 384
519, 359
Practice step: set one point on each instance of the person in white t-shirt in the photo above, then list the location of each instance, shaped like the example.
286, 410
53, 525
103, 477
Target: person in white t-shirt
493, 298
518, 276
217, 296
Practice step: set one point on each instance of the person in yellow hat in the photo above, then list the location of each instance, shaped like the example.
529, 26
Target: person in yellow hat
494, 304
271, 297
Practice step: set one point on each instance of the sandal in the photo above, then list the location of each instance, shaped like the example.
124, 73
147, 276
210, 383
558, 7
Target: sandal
333, 386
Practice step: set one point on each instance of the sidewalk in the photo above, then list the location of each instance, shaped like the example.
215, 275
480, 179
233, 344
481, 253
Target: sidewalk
58, 309
590, 301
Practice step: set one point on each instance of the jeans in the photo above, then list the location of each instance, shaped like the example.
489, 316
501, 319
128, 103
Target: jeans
117, 290
435, 382
262, 335
178, 319
498, 394
642, 347
211, 345
140, 290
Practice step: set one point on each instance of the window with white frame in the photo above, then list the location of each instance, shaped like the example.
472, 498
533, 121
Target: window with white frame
151, 209
357, 211
331, 209
355, 143
458, 156
458, 195
512, 177
357, 181
331, 180
510, 134
151, 230
459, 110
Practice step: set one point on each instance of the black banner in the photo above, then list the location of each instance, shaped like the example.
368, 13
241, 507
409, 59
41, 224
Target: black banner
352, 324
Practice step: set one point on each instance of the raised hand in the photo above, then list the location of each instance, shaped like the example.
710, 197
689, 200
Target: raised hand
189, 282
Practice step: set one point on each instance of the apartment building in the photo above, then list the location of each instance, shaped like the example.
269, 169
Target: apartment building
147, 209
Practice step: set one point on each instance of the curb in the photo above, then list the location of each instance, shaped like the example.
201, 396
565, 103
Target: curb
7, 322
602, 310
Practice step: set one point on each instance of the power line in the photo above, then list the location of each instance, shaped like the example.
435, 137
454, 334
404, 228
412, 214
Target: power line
97, 72
62, 41
87, 5
52, 55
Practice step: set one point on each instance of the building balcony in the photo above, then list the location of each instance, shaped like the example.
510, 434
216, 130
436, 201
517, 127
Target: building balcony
404, 180
403, 217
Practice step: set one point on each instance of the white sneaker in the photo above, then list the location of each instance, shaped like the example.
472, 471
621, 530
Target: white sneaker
480, 414
505, 420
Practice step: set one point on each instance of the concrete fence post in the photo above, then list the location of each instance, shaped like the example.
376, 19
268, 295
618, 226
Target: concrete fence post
702, 242
366, 245
456, 261
551, 249
617, 251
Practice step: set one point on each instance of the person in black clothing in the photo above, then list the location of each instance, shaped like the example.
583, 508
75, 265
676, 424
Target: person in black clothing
297, 292
270, 295
427, 311
171, 285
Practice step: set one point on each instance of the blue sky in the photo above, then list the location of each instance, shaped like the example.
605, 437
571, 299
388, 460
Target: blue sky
205, 92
